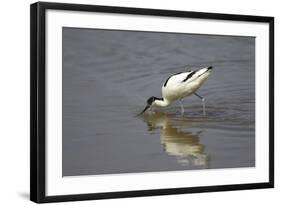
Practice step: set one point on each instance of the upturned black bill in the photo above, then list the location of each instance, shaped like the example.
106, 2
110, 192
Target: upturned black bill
144, 110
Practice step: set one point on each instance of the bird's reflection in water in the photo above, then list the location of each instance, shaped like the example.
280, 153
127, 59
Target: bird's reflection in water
182, 144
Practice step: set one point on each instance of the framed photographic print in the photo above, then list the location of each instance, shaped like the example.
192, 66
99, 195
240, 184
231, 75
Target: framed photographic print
129, 102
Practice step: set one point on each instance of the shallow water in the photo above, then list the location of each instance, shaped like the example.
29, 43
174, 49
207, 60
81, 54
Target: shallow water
107, 77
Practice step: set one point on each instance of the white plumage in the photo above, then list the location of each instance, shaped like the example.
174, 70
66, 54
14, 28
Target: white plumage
179, 86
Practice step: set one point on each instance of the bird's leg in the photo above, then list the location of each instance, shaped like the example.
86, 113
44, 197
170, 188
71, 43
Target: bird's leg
182, 108
203, 102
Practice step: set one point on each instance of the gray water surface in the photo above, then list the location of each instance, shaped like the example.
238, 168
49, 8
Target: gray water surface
108, 76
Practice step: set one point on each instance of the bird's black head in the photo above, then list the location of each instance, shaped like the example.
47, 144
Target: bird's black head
150, 100
149, 103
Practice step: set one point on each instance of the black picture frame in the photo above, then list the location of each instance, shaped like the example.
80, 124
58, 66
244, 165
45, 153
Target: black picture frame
38, 101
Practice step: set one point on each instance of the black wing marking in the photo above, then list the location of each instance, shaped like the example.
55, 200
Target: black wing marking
189, 76
170, 77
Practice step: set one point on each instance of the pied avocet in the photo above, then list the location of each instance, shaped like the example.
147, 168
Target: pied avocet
179, 86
